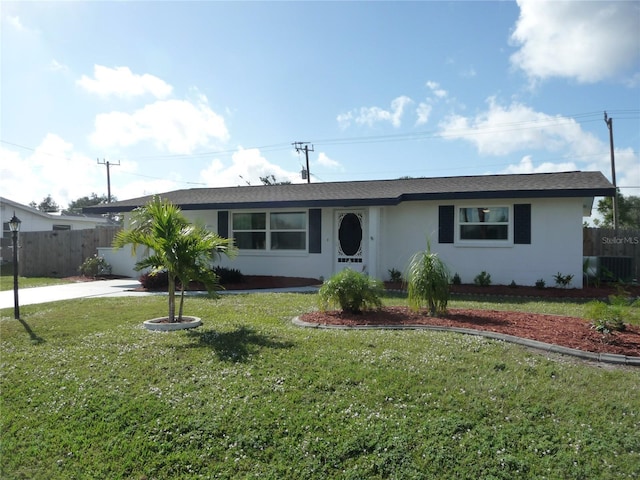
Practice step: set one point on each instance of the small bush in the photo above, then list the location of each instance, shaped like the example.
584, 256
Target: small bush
228, 275
607, 318
456, 280
94, 266
351, 291
154, 280
563, 280
395, 275
540, 283
483, 279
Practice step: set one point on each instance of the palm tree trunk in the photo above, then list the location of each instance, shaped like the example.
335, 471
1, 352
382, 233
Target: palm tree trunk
172, 298
181, 303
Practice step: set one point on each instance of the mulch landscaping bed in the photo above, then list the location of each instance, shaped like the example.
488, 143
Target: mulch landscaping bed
568, 332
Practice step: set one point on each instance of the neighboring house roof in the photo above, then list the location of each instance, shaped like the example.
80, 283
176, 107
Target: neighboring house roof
380, 192
92, 217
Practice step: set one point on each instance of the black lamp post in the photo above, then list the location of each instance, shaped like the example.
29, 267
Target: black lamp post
14, 226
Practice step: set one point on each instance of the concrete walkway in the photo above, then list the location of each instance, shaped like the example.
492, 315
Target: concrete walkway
104, 288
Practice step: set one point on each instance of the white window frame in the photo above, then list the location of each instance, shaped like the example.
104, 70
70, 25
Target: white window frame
508, 242
268, 231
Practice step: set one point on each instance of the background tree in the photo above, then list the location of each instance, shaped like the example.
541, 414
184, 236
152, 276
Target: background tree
76, 206
46, 205
628, 212
272, 180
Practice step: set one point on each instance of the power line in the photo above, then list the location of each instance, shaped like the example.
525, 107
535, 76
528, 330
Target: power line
587, 117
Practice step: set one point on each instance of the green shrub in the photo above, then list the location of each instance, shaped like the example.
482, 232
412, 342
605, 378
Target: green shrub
456, 280
607, 318
563, 280
428, 282
540, 283
94, 266
395, 275
158, 280
228, 275
351, 291
483, 279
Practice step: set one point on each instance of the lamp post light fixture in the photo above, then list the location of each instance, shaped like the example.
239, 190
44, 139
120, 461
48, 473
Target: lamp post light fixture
14, 226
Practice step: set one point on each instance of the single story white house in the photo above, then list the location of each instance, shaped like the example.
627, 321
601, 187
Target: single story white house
517, 228
33, 220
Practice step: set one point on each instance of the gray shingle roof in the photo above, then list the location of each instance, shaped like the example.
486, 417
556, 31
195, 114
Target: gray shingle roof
380, 192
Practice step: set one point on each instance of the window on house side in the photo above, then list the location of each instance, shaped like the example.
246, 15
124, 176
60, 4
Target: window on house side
288, 231
274, 231
483, 223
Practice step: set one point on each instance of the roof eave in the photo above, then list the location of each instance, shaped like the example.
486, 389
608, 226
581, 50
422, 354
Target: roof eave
366, 202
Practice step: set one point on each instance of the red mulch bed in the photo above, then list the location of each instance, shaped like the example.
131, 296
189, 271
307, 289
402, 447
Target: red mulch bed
559, 330
564, 331
526, 291
253, 282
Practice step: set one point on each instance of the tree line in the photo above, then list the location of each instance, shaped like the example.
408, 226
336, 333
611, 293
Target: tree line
49, 205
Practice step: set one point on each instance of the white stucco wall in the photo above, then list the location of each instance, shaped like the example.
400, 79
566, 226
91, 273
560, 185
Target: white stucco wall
121, 260
556, 243
288, 264
393, 234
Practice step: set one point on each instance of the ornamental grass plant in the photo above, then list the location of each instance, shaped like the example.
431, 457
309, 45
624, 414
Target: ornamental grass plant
428, 281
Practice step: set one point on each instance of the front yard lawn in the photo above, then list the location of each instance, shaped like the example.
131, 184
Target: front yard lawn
6, 281
88, 393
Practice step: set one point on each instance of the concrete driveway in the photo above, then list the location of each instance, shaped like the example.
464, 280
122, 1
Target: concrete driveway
106, 288
99, 288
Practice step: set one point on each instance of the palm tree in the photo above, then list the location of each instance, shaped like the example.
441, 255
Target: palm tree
186, 251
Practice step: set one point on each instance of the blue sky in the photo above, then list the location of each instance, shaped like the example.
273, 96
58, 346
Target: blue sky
195, 94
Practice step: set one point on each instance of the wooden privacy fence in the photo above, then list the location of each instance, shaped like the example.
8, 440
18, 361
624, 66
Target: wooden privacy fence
59, 253
621, 249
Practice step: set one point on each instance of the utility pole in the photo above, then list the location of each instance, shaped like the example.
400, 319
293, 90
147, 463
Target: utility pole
299, 146
103, 162
609, 121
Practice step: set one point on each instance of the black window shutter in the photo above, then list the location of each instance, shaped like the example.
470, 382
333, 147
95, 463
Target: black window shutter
446, 223
223, 223
315, 230
522, 223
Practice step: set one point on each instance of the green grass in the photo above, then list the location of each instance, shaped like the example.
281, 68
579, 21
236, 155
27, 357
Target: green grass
6, 281
88, 393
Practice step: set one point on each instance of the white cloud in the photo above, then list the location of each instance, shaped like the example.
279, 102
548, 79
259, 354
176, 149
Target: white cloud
588, 41
436, 90
344, 119
423, 111
175, 126
372, 115
247, 166
503, 130
526, 166
52, 168
17, 24
325, 161
122, 82
56, 66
